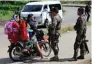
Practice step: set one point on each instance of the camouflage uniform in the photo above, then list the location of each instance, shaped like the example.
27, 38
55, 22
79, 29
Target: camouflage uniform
54, 28
80, 28
87, 11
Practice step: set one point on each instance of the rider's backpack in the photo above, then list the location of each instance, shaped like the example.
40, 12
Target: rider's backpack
8, 28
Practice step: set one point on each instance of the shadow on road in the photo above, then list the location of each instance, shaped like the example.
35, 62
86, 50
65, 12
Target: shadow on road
46, 60
8, 60
5, 60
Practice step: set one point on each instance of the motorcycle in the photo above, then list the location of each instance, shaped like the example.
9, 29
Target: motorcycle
16, 50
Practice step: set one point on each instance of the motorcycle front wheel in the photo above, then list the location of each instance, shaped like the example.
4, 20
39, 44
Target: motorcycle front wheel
46, 49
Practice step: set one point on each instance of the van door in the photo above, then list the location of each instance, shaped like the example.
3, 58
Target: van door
46, 17
44, 13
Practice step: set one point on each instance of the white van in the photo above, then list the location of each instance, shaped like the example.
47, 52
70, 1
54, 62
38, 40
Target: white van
41, 11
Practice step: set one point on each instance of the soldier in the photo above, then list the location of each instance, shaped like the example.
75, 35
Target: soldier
88, 10
54, 28
80, 28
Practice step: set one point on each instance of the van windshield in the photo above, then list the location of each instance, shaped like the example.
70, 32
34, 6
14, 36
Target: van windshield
32, 8
55, 5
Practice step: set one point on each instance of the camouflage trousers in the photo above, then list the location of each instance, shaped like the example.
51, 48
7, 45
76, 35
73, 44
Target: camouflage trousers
88, 16
54, 39
79, 43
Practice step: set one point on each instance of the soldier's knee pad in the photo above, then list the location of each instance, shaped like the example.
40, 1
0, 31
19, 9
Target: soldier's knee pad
57, 35
56, 42
53, 46
57, 48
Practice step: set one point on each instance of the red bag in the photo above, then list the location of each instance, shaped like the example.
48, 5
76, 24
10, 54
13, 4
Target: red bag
23, 30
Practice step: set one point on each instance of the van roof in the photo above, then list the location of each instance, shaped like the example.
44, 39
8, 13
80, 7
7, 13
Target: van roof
43, 2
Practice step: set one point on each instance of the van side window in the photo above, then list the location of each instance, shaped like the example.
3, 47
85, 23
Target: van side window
45, 6
32, 8
55, 5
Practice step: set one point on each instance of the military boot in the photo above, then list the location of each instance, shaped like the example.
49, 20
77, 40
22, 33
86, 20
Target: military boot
81, 57
55, 58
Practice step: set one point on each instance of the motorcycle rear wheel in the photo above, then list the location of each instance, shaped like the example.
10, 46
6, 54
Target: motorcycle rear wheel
14, 53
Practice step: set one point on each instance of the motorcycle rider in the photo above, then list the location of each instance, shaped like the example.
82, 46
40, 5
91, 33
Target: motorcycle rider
33, 25
23, 34
53, 32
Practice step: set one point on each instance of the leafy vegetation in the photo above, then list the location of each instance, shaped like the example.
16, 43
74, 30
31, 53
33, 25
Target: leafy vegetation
5, 15
8, 8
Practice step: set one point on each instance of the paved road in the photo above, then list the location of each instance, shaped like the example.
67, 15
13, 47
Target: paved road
65, 44
70, 15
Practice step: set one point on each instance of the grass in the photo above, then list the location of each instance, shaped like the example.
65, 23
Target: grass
66, 28
89, 23
71, 27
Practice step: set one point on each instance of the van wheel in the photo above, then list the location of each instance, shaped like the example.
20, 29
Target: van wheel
46, 23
